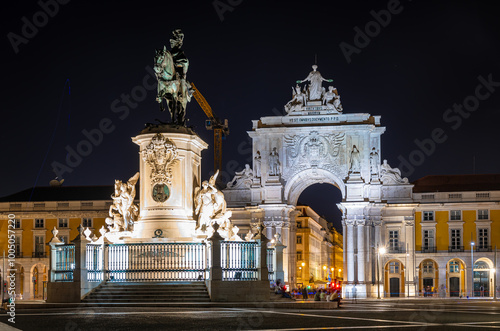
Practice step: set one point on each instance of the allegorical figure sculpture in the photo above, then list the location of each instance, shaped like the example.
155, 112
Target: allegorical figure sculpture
355, 160
374, 163
242, 178
331, 99
257, 164
297, 102
274, 163
315, 79
210, 206
171, 68
123, 213
391, 176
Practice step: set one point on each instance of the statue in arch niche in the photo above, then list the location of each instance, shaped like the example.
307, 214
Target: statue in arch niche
274, 163
123, 212
210, 206
355, 160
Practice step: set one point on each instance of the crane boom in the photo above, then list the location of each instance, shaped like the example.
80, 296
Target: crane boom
221, 129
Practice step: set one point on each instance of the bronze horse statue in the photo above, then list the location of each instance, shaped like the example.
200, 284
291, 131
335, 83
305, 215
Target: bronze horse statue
171, 68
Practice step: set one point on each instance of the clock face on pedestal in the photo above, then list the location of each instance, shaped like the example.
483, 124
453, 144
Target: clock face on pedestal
161, 192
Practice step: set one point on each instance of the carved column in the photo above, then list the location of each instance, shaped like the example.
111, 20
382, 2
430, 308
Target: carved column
360, 225
349, 244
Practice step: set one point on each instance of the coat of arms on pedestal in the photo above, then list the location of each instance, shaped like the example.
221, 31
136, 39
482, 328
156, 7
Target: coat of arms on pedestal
160, 155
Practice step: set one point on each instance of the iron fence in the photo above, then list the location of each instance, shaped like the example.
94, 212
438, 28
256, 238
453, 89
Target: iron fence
239, 260
65, 263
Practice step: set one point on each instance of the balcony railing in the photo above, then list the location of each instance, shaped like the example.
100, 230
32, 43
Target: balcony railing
455, 248
483, 249
428, 249
395, 249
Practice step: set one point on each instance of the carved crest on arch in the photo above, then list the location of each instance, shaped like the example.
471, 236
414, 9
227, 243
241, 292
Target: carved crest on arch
316, 151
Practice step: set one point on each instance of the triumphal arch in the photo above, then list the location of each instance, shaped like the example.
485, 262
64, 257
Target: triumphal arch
317, 141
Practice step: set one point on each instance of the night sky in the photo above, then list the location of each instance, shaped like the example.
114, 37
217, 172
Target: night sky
77, 70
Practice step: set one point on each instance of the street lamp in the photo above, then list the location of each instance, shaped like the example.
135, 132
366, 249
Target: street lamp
472, 266
380, 251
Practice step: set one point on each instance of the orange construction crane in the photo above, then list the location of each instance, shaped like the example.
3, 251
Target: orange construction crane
221, 129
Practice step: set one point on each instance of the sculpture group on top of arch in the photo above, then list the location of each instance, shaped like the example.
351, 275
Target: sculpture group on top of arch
314, 95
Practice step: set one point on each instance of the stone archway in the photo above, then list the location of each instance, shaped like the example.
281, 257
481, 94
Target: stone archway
302, 180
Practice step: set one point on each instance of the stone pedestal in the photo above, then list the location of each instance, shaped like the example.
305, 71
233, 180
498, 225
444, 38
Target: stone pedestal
173, 218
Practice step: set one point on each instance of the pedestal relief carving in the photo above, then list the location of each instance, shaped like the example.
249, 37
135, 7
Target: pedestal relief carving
160, 155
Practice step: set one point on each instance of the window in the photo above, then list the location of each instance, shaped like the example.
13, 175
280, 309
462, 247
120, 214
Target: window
394, 267
428, 239
299, 239
454, 266
299, 224
18, 247
87, 204
428, 216
482, 214
428, 267
428, 196
87, 222
455, 196
39, 223
39, 246
299, 255
393, 240
63, 222
455, 215
482, 195
455, 239
483, 238
17, 223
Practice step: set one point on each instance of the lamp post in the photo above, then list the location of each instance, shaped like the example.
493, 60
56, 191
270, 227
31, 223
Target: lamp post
472, 268
380, 251
495, 276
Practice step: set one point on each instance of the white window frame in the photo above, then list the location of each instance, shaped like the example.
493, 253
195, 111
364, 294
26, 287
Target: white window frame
39, 234
459, 215
20, 237
479, 237
433, 232
39, 227
482, 217
91, 222
460, 243
16, 220
59, 223
429, 212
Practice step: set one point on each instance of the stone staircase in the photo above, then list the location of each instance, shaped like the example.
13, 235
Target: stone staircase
149, 292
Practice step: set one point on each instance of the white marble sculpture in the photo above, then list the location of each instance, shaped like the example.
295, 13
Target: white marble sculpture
355, 160
123, 212
242, 179
391, 176
374, 163
315, 79
160, 155
274, 163
331, 99
297, 102
257, 165
210, 206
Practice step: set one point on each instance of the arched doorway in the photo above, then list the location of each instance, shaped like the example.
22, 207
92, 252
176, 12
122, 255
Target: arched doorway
455, 274
483, 277
394, 285
318, 239
428, 277
38, 281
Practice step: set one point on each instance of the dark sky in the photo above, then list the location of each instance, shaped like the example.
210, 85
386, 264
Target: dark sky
425, 60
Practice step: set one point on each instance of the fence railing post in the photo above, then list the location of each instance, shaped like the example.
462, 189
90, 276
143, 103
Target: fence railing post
279, 273
263, 272
216, 269
53, 243
80, 271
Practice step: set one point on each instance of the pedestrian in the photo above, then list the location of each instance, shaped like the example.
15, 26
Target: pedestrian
322, 295
481, 291
317, 296
304, 292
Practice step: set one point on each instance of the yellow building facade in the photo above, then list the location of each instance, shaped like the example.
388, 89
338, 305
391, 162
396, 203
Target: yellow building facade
31, 223
457, 229
319, 250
